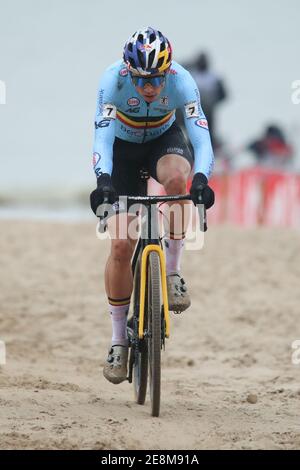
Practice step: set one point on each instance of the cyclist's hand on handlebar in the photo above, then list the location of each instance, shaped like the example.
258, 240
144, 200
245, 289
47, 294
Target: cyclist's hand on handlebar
104, 189
201, 189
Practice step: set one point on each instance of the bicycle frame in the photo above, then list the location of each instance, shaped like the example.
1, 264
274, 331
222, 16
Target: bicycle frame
144, 247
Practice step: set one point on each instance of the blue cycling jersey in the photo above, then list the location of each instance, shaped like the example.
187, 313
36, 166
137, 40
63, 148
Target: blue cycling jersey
122, 112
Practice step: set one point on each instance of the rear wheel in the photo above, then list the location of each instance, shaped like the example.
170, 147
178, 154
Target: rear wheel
154, 331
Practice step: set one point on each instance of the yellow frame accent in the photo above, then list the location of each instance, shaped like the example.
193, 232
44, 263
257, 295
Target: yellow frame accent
145, 254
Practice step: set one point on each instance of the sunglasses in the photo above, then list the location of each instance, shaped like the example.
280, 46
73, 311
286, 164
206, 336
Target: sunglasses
139, 81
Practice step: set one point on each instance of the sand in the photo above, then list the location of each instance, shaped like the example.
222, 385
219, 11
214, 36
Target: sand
228, 381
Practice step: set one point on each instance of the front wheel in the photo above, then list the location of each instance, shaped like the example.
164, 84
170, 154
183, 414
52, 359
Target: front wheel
154, 331
140, 350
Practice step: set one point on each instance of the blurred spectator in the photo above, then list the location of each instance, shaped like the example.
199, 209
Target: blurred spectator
272, 149
211, 87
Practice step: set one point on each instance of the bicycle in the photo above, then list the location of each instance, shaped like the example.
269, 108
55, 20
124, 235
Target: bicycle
149, 325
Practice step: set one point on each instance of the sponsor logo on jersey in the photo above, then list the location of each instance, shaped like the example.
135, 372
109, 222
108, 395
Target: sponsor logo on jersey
157, 132
98, 172
198, 97
202, 123
211, 167
96, 158
100, 101
133, 101
132, 110
131, 132
103, 123
172, 72
123, 72
164, 100
161, 110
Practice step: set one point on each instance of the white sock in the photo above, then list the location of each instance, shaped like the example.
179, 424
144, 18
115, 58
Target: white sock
173, 250
118, 314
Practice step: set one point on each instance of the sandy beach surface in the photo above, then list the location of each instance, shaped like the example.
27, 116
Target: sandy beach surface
234, 342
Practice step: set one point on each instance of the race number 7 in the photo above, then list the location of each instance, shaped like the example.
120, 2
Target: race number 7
191, 110
109, 111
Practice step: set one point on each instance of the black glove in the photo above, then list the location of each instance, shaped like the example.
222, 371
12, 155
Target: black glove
200, 188
104, 189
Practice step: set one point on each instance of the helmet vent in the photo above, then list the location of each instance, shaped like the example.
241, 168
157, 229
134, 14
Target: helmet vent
131, 61
130, 47
152, 37
140, 38
162, 46
141, 58
151, 58
160, 62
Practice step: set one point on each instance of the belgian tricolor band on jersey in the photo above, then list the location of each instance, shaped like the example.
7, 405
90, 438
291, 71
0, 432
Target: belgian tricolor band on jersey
143, 122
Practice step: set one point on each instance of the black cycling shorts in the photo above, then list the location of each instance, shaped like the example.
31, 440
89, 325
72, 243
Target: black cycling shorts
129, 158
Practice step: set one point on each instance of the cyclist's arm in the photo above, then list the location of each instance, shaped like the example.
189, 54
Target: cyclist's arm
105, 124
196, 125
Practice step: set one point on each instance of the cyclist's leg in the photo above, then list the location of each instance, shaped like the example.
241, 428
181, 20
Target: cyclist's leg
125, 179
173, 163
173, 172
118, 284
170, 164
118, 275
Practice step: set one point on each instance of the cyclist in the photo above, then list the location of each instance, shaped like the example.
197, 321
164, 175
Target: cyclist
135, 128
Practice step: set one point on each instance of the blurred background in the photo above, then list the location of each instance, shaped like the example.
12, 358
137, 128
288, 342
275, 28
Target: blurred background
243, 56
